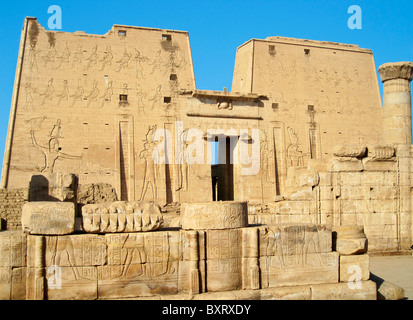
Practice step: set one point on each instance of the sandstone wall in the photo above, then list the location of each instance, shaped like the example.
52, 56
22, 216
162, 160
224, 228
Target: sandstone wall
343, 191
270, 261
11, 203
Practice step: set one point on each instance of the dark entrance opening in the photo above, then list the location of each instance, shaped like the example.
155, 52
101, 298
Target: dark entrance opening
222, 174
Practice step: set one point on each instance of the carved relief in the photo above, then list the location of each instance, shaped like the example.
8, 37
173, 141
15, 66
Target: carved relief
267, 155
77, 57
121, 217
140, 95
124, 61
50, 55
93, 58
107, 58
94, 93
33, 58
107, 95
225, 105
64, 94
156, 63
139, 59
64, 57
145, 263
157, 96
52, 151
223, 260
76, 254
182, 168
297, 254
297, 158
12, 249
150, 176
78, 94
29, 96
48, 93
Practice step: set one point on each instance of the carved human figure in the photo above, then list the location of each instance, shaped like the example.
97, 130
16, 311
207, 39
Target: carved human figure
124, 61
64, 246
266, 155
52, 152
33, 57
139, 59
182, 168
94, 93
93, 57
50, 55
57, 130
294, 153
157, 97
48, 93
107, 58
29, 95
78, 94
150, 172
64, 94
78, 57
140, 95
156, 63
64, 57
107, 95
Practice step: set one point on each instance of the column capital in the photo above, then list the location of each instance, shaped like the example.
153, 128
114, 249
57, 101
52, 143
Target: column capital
397, 70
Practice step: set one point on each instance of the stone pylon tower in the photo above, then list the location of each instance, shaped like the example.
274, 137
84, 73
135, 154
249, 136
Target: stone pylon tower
397, 130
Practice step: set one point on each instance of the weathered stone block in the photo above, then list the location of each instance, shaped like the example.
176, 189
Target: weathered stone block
287, 293
352, 151
5, 283
83, 250
71, 283
354, 268
12, 249
346, 164
296, 270
294, 239
214, 215
18, 284
224, 259
48, 218
349, 240
382, 152
122, 216
364, 290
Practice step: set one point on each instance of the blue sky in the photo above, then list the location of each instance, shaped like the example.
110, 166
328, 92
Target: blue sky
216, 29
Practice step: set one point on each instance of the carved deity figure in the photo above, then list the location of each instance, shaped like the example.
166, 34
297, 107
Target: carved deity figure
150, 171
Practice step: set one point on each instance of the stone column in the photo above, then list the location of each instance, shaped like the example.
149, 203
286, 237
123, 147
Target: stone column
397, 130
397, 115
223, 223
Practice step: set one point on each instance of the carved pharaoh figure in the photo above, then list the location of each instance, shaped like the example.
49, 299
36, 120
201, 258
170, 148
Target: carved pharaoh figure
53, 151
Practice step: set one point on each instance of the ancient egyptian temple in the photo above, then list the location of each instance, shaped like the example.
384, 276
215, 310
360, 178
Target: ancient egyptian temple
109, 189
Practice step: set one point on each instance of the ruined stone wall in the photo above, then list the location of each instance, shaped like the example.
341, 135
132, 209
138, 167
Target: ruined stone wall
11, 203
215, 252
362, 188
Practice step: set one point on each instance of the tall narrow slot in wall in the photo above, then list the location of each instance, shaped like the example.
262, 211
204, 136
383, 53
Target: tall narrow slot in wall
226, 170
169, 170
313, 144
277, 138
124, 160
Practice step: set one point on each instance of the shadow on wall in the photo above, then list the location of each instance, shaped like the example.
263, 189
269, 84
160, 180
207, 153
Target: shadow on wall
40, 188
